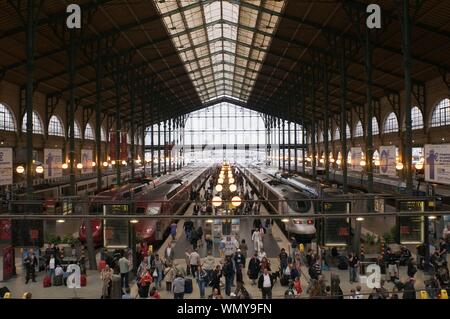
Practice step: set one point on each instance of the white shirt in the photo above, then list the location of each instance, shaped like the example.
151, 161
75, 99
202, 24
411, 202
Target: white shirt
168, 250
59, 271
266, 282
51, 263
255, 236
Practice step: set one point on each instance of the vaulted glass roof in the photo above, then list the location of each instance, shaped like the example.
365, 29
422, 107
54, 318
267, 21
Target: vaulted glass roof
222, 43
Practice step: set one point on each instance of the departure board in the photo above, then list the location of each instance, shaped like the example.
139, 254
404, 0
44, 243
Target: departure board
411, 229
336, 231
116, 231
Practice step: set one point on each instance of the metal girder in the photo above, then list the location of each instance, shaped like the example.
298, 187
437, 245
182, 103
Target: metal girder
51, 101
419, 93
394, 101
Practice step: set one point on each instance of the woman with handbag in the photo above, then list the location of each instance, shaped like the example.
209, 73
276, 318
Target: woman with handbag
106, 276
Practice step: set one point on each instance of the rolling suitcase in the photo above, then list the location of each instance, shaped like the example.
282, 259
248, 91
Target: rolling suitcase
188, 286
58, 280
47, 281
83, 280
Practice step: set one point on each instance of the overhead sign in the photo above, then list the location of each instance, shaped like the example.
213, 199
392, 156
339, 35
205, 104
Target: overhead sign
6, 166
86, 160
437, 163
52, 163
387, 160
356, 153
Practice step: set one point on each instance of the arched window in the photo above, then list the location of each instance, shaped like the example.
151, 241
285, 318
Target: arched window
391, 123
329, 135
76, 130
103, 135
7, 122
359, 129
348, 133
441, 114
320, 137
128, 138
89, 132
37, 124
337, 134
416, 118
375, 127
55, 127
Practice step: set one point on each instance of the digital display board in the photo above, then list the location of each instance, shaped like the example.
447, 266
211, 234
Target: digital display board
116, 234
411, 229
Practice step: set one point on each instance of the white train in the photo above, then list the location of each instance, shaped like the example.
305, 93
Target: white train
285, 200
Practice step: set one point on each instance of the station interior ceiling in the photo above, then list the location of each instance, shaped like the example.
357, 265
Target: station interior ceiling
182, 56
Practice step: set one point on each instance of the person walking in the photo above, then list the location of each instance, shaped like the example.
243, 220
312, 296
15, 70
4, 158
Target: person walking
169, 253
194, 262
178, 287
353, 264
202, 281
105, 277
215, 281
124, 266
265, 283
283, 257
30, 266
253, 268
173, 230
158, 267
256, 240
208, 265
228, 272
244, 248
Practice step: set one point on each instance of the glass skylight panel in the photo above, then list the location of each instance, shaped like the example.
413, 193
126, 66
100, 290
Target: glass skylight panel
214, 39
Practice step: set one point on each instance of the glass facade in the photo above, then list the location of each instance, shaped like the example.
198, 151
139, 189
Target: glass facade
225, 131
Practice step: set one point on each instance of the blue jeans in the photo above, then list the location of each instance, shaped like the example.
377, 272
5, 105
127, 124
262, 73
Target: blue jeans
353, 274
228, 282
201, 287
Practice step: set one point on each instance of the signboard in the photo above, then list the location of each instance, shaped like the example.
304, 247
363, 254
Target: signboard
6, 166
411, 229
112, 145
437, 163
231, 245
123, 147
8, 262
52, 163
336, 231
387, 160
356, 158
86, 160
116, 230
378, 205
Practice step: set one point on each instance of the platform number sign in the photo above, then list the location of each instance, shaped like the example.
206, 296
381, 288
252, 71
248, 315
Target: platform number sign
74, 279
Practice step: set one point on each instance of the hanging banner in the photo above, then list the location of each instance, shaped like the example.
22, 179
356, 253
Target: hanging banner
86, 160
52, 163
123, 147
356, 158
5, 230
8, 263
112, 145
437, 163
387, 160
6, 166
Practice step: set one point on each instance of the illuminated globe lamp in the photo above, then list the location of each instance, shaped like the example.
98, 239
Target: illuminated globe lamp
419, 165
105, 164
20, 169
338, 162
233, 188
331, 160
399, 166
377, 162
64, 166
231, 180
219, 188
236, 201
93, 164
124, 162
362, 163
113, 162
220, 181
79, 166
216, 201
322, 161
39, 169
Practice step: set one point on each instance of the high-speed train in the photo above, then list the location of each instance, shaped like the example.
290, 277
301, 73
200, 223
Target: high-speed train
169, 196
285, 199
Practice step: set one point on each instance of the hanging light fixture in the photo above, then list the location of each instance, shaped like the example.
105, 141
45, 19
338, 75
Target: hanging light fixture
216, 201
362, 163
236, 201
231, 180
79, 166
219, 188
220, 181
93, 164
20, 169
64, 166
113, 162
134, 221
399, 166
124, 162
39, 169
419, 165
105, 164
233, 188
